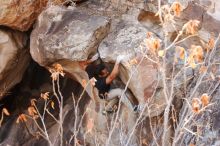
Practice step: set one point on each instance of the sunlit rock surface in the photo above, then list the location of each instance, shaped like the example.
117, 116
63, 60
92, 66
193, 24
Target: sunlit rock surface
21, 14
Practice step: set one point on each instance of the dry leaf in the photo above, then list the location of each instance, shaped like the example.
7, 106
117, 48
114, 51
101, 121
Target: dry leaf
210, 44
195, 105
149, 34
161, 53
191, 62
5, 111
176, 8
45, 95
84, 83
191, 27
153, 44
31, 110
21, 118
156, 44
52, 104
181, 52
56, 70
205, 99
203, 69
197, 53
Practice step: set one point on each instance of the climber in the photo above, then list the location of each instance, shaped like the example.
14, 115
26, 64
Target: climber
104, 80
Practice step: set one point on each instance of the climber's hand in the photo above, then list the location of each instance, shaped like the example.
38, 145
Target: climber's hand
120, 58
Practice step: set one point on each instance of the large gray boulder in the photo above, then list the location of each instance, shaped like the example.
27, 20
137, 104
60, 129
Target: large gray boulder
66, 34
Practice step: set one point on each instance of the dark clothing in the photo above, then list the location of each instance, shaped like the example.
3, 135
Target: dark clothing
101, 85
90, 69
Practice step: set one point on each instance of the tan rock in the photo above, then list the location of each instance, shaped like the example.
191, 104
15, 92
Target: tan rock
21, 14
67, 36
14, 59
127, 38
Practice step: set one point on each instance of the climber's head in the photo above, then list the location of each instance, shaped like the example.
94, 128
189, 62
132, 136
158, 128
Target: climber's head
101, 70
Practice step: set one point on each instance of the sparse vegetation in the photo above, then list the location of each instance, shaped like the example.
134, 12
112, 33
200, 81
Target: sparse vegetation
183, 69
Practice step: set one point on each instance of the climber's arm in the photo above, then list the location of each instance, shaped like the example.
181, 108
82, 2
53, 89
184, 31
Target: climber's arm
115, 70
113, 74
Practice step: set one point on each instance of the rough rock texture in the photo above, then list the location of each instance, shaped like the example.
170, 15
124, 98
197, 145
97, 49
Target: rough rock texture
209, 24
21, 14
19, 134
50, 43
14, 58
72, 48
214, 9
206, 123
126, 38
65, 34
205, 11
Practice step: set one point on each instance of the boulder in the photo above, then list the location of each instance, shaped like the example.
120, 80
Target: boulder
21, 15
14, 58
127, 38
214, 9
57, 38
67, 36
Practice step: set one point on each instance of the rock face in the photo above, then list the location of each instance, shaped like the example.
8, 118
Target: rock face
70, 35
127, 38
88, 113
66, 36
63, 34
14, 58
21, 15
209, 21
49, 46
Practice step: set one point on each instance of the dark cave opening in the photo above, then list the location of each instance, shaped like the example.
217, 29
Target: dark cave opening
36, 80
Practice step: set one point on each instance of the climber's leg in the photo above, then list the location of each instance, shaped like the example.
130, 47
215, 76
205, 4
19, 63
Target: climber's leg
111, 105
118, 93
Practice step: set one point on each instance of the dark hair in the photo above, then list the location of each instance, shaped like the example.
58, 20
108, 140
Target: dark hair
94, 70
99, 68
